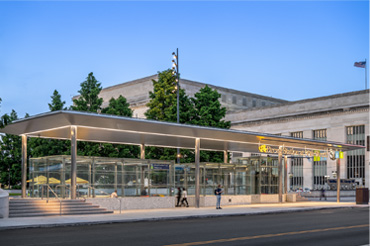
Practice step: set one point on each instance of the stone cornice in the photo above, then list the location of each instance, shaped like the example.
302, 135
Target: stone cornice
303, 116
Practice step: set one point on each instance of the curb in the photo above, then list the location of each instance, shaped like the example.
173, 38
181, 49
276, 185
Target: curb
180, 217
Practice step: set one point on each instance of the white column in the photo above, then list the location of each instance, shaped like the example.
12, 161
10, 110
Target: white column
73, 161
24, 165
285, 175
197, 176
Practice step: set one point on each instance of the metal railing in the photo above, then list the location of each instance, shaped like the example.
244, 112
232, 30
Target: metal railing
47, 199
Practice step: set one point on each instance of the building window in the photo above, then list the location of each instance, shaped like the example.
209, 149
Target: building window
223, 98
244, 101
319, 167
254, 103
296, 181
356, 158
296, 134
263, 103
234, 99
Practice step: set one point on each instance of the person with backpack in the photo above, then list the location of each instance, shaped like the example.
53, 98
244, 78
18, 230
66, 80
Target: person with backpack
218, 192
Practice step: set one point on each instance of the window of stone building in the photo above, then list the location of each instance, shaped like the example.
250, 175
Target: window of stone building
234, 99
263, 103
254, 103
296, 134
244, 101
223, 98
356, 158
319, 167
296, 180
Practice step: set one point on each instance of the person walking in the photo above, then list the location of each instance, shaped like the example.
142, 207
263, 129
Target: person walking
322, 194
218, 193
184, 198
178, 196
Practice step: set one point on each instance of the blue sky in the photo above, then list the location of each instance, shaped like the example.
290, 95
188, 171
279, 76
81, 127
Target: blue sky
290, 49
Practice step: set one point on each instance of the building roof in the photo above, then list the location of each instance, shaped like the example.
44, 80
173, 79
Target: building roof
116, 129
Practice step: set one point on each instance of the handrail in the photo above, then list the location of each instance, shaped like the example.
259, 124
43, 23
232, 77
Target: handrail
47, 200
63, 185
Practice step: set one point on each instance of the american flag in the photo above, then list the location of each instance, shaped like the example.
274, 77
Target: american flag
360, 64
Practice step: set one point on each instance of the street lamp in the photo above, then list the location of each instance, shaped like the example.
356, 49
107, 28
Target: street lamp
176, 74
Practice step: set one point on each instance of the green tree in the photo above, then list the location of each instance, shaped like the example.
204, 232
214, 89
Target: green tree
163, 107
89, 100
10, 156
118, 106
56, 102
39, 147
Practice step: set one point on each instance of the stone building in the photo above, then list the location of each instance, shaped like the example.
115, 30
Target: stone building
340, 118
137, 94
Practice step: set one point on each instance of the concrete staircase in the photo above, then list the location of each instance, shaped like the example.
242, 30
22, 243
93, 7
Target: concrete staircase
38, 207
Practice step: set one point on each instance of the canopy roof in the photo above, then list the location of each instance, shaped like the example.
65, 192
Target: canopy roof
124, 130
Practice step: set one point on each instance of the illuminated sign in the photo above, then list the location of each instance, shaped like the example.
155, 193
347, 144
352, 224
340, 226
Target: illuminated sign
316, 154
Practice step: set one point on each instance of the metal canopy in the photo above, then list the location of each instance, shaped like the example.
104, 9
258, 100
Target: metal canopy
123, 130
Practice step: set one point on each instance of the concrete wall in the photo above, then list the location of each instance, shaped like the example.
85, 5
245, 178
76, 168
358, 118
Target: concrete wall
129, 203
4, 204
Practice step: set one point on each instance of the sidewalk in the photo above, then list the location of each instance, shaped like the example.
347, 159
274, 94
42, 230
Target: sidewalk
169, 214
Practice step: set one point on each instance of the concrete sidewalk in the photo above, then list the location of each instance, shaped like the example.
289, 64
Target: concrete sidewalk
169, 214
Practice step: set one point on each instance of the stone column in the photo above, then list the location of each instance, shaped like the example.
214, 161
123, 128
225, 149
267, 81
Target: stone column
73, 161
197, 176
24, 165
286, 175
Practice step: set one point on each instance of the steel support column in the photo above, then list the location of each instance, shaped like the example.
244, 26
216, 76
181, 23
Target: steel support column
197, 176
73, 161
285, 175
338, 180
280, 174
24, 165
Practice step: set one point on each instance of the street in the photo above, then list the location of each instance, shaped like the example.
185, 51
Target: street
321, 227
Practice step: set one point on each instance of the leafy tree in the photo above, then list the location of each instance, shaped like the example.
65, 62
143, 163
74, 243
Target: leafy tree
56, 102
163, 107
39, 147
10, 156
89, 100
118, 106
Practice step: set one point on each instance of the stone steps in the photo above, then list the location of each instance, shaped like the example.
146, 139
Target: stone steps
38, 207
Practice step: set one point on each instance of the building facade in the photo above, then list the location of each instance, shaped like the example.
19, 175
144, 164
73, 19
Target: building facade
340, 118
137, 94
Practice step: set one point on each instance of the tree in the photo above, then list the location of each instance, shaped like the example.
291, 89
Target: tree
39, 147
118, 106
208, 112
163, 107
10, 156
89, 100
56, 102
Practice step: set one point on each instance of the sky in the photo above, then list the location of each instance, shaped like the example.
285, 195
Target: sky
290, 50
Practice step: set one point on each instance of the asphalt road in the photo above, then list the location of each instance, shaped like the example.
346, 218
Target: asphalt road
323, 227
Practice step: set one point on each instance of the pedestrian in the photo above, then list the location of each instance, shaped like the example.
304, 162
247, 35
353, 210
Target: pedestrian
322, 194
184, 197
178, 196
114, 194
218, 192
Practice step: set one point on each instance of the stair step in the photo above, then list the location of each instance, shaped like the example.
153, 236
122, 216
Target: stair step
38, 207
55, 214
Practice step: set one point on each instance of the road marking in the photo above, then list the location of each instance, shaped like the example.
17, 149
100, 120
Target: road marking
268, 235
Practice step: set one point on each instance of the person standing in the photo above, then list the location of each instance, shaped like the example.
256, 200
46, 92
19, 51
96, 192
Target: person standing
184, 197
218, 193
178, 196
322, 194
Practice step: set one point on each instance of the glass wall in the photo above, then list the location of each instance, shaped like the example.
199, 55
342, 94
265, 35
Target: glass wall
100, 177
